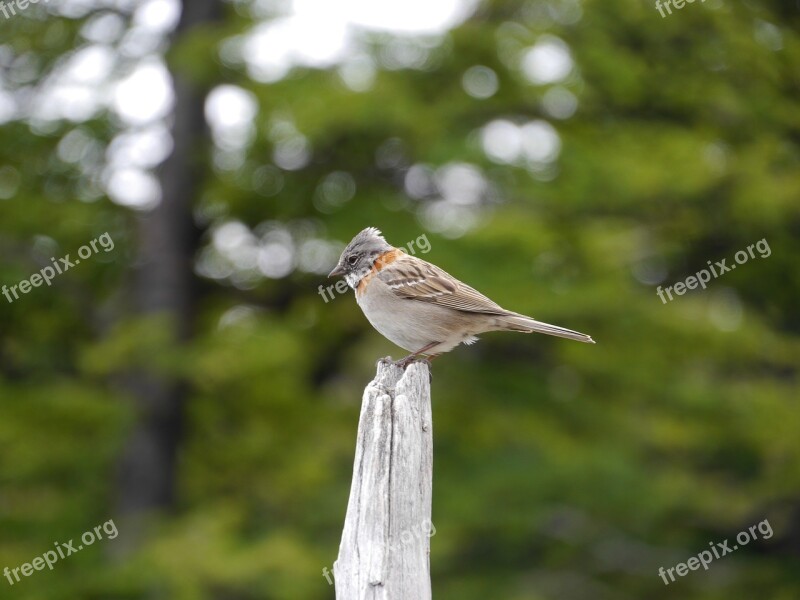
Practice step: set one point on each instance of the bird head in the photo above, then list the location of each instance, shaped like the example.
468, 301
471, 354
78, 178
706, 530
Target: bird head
360, 254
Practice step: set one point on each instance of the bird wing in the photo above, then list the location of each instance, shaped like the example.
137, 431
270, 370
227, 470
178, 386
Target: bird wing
415, 279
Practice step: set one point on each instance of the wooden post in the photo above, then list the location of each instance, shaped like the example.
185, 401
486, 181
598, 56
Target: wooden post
385, 548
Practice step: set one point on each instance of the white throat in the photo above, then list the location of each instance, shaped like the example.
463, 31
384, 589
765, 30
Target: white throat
353, 279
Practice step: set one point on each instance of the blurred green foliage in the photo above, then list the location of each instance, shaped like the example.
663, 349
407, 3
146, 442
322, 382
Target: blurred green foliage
561, 470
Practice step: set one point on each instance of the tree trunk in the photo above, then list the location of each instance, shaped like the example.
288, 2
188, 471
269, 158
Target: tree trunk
385, 548
165, 285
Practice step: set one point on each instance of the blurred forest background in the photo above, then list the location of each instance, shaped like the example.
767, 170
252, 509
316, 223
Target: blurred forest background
565, 157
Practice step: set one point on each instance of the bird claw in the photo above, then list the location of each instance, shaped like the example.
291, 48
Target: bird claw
404, 363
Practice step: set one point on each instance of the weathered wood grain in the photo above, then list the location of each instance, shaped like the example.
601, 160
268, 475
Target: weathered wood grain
385, 547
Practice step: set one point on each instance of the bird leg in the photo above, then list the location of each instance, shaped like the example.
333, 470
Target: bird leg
404, 362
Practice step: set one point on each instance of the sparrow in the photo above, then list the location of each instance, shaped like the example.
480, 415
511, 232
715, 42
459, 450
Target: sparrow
420, 307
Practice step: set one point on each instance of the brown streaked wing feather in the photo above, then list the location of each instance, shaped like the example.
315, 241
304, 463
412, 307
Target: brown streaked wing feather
416, 279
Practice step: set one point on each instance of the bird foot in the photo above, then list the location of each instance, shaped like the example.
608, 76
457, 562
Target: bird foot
386, 360
403, 363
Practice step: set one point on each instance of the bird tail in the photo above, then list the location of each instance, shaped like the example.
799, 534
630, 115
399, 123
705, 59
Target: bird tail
517, 322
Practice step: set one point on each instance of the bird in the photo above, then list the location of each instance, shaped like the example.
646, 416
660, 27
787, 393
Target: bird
422, 308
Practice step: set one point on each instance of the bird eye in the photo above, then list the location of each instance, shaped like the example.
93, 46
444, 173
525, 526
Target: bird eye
352, 259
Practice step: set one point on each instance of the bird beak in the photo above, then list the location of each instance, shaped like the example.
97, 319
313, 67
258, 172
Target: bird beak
337, 270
